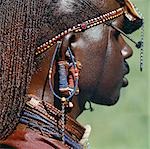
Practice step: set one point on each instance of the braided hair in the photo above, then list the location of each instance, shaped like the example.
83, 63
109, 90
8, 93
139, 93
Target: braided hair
18, 35
24, 25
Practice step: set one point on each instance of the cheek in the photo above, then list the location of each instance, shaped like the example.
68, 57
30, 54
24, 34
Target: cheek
90, 72
92, 59
112, 76
113, 72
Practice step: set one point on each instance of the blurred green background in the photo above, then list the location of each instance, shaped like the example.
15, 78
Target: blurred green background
125, 125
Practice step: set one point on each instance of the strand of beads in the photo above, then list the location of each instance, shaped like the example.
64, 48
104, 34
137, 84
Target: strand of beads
81, 27
142, 40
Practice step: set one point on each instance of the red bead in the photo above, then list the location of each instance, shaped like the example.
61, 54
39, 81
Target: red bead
83, 26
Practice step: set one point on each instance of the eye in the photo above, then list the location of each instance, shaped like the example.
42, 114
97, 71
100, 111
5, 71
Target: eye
116, 30
117, 25
117, 33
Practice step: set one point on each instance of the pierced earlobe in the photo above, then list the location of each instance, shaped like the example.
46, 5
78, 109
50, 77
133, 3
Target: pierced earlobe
68, 74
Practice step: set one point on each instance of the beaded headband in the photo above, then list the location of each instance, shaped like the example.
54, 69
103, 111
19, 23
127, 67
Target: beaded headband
81, 27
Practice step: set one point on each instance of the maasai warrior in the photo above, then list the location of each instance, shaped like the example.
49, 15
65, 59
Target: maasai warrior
55, 56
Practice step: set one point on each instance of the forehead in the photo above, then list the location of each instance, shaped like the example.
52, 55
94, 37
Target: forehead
106, 5
102, 5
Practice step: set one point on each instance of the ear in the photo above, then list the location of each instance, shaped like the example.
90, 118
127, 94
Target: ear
66, 42
68, 68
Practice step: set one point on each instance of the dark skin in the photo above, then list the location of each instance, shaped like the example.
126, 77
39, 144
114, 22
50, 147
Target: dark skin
101, 51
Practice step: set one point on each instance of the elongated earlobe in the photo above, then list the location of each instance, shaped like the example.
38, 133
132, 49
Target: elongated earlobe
67, 70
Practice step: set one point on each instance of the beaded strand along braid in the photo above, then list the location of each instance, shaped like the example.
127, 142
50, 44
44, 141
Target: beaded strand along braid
18, 35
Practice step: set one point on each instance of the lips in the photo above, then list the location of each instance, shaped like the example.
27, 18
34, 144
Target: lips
126, 70
125, 82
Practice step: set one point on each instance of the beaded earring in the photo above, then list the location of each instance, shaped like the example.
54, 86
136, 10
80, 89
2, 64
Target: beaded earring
68, 81
63, 83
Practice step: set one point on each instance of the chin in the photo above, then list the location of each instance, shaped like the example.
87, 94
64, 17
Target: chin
106, 100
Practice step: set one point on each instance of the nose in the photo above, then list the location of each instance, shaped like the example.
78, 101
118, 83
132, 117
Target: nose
126, 50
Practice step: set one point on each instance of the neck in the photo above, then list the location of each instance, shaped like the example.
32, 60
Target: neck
46, 120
